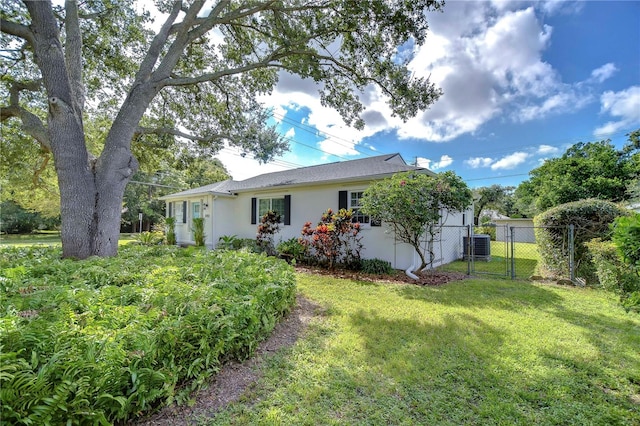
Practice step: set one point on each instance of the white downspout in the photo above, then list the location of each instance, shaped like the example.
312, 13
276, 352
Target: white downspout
409, 271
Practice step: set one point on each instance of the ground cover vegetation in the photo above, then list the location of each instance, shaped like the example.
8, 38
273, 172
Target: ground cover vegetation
477, 351
106, 340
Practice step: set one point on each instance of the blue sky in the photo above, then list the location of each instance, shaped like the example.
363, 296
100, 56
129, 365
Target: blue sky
522, 82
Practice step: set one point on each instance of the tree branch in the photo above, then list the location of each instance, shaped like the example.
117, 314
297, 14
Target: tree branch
73, 53
161, 131
187, 81
18, 30
155, 49
31, 124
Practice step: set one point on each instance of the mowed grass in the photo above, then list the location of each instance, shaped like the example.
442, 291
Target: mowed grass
478, 351
525, 261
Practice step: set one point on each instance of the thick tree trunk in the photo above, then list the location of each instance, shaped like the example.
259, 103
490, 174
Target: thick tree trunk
90, 192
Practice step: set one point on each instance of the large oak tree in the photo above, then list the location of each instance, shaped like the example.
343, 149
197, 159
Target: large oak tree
196, 77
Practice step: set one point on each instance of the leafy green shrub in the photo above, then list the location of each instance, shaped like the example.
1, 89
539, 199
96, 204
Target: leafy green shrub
147, 238
487, 230
614, 274
626, 236
103, 340
198, 231
170, 222
293, 249
591, 219
375, 266
229, 242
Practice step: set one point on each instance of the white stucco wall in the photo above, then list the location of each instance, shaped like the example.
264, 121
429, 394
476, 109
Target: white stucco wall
232, 216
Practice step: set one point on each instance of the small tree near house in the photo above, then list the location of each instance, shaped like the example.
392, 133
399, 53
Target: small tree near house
413, 204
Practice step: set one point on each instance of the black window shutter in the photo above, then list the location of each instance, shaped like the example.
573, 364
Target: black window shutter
170, 208
254, 210
287, 209
184, 212
342, 200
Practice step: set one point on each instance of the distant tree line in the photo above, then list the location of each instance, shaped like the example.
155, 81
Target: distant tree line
586, 170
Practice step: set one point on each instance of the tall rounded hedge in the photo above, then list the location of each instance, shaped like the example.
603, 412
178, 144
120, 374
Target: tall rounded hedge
591, 218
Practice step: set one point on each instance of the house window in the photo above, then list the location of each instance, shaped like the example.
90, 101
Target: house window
195, 210
354, 204
179, 213
273, 204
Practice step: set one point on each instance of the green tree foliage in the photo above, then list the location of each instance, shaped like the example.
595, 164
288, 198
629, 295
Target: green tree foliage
489, 196
413, 204
614, 274
626, 236
586, 170
16, 220
196, 78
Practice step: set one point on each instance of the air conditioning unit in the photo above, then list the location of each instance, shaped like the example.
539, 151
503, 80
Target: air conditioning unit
481, 247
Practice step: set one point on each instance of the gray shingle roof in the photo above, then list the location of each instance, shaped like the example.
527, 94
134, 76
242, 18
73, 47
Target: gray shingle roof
360, 169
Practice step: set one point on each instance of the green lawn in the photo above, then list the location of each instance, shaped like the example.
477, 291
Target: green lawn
525, 255
480, 351
47, 238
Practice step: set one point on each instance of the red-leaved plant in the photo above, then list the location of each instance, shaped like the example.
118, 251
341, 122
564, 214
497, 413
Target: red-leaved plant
335, 239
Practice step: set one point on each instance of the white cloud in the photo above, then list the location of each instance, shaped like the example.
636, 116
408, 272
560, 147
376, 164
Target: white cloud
488, 59
604, 72
278, 113
476, 162
510, 161
560, 102
444, 161
337, 147
291, 133
547, 149
242, 168
624, 106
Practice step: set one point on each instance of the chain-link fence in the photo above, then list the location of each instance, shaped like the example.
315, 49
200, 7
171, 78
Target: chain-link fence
506, 251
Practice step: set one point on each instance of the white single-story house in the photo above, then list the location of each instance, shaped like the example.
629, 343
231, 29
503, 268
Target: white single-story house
302, 195
522, 228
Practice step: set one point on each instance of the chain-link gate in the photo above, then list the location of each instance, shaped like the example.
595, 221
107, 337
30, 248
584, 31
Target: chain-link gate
507, 251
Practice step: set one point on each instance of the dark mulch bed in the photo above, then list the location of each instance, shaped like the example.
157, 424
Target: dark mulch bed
432, 278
